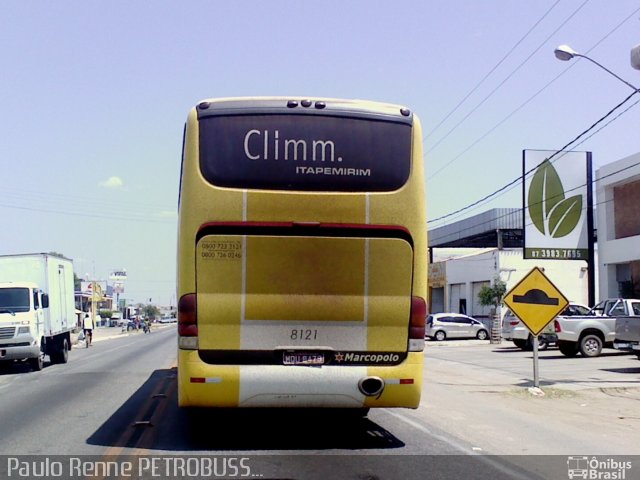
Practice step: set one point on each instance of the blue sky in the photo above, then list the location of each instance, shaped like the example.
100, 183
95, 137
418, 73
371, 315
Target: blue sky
95, 94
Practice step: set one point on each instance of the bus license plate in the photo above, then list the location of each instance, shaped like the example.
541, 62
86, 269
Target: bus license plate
303, 358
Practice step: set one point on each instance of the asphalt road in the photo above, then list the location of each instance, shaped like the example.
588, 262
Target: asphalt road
117, 400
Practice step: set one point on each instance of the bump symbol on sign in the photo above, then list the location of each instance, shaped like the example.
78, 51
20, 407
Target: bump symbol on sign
536, 297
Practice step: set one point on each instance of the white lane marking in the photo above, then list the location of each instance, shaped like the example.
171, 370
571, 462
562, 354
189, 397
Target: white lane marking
486, 459
424, 429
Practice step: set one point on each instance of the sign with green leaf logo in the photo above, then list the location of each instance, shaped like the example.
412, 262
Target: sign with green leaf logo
555, 193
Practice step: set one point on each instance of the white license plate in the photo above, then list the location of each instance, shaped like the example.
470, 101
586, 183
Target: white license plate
298, 358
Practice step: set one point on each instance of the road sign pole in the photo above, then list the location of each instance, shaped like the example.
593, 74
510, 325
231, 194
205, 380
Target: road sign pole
536, 302
536, 375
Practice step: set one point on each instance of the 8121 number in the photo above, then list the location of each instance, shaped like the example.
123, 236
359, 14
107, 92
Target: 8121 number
303, 334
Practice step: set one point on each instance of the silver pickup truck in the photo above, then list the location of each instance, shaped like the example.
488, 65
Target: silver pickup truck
513, 329
588, 334
628, 331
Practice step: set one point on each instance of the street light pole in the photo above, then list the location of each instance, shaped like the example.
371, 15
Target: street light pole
566, 53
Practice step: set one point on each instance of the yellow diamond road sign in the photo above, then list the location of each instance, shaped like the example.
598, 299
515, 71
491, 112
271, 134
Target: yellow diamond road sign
535, 300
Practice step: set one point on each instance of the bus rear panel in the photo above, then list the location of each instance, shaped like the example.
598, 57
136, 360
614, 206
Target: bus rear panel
301, 257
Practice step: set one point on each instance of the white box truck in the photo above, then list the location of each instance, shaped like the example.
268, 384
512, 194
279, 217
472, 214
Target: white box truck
37, 309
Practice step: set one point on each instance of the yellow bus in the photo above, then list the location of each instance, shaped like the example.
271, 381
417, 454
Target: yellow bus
301, 255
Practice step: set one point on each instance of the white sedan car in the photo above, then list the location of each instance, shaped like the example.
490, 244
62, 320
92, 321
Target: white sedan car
441, 326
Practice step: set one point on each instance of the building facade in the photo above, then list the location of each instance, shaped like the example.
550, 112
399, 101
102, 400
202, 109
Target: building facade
618, 217
456, 275
461, 276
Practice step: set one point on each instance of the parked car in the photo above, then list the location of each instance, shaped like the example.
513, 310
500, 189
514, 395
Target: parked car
441, 326
513, 329
588, 334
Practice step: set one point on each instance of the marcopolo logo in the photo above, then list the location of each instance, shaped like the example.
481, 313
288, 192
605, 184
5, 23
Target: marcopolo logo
360, 358
551, 213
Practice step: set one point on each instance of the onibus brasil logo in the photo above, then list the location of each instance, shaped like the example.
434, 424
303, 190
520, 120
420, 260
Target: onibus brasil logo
597, 468
551, 213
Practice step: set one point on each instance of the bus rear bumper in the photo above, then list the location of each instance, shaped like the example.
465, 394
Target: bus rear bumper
204, 385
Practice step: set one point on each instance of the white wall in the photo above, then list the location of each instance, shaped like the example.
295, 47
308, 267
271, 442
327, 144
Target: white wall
569, 276
467, 270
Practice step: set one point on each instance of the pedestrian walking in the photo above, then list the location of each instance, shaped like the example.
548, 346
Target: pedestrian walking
87, 325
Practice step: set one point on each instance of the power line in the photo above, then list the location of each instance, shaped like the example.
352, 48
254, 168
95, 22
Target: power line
506, 79
434, 129
495, 127
584, 208
592, 134
115, 198
93, 215
516, 180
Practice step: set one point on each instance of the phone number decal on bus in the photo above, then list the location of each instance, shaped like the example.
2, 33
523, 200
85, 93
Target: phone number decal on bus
221, 250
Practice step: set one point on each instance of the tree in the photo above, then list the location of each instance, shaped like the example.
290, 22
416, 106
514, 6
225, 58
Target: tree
77, 283
151, 311
493, 295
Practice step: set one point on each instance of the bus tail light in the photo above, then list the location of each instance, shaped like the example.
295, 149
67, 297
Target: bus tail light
418, 316
417, 324
188, 316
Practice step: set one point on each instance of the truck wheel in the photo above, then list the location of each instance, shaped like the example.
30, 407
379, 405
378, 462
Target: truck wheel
590, 345
568, 349
61, 352
521, 344
37, 363
7, 364
64, 355
61, 355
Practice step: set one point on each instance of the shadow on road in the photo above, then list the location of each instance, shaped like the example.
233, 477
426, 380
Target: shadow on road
506, 349
603, 354
18, 367
282, 429
150, 419
634, 370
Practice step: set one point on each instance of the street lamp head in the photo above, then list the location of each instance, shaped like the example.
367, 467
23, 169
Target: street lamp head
635, 57
565, 53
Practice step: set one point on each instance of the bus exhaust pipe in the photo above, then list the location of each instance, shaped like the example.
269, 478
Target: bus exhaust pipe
371, 386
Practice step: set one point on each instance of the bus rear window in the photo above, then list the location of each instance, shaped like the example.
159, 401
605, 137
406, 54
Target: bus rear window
305, 152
